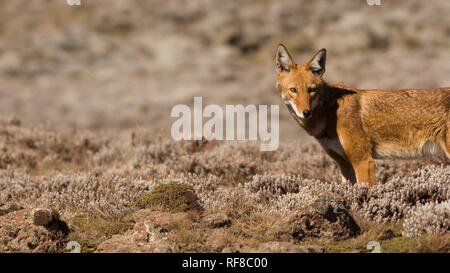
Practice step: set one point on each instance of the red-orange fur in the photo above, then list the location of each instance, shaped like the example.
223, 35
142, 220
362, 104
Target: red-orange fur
357, 126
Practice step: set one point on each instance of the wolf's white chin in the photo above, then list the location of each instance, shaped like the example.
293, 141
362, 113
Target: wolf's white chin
293, 109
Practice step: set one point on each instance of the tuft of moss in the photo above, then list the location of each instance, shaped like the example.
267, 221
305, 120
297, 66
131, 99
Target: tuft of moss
89, 230
172, 197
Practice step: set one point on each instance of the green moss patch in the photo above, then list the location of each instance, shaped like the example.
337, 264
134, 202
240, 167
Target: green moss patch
91, 230
173, 197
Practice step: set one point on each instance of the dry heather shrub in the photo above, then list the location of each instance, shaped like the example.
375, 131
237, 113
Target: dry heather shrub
10, 159
72, 191
382, 203
238, 162
270, 186
196, 157
394, 199
234, 162
431, 218
24, 147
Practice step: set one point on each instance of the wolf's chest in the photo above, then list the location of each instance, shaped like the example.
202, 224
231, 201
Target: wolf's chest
332, 145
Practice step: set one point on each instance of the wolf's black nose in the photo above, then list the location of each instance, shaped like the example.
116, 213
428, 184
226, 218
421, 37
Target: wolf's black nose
307, 113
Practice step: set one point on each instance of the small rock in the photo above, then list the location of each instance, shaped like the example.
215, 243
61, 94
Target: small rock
217, 220
42, 217
326, 217
19, 233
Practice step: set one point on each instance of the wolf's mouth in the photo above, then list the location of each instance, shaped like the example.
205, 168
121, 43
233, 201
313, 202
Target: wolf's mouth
291, 109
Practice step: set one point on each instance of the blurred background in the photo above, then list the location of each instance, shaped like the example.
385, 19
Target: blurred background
115, 65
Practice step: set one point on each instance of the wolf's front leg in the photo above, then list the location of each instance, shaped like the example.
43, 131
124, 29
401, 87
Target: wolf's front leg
347, 171
365, 171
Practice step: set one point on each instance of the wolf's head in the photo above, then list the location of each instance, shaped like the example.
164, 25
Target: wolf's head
300, 85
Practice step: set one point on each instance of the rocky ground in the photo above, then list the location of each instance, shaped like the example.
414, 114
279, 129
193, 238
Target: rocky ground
85, 151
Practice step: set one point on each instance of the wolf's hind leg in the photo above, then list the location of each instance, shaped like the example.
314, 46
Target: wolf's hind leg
447, 146
446, 143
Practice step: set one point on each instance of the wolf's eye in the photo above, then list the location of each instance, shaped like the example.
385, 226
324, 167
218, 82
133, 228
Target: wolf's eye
293, 90
312, 90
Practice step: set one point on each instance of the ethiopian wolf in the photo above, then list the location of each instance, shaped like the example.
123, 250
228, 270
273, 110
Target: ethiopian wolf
357, 126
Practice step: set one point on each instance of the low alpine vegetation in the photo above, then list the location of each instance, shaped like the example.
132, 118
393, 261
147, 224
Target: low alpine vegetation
85, 176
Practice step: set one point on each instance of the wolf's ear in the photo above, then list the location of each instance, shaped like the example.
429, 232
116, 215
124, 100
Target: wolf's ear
317, 63
283, 59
